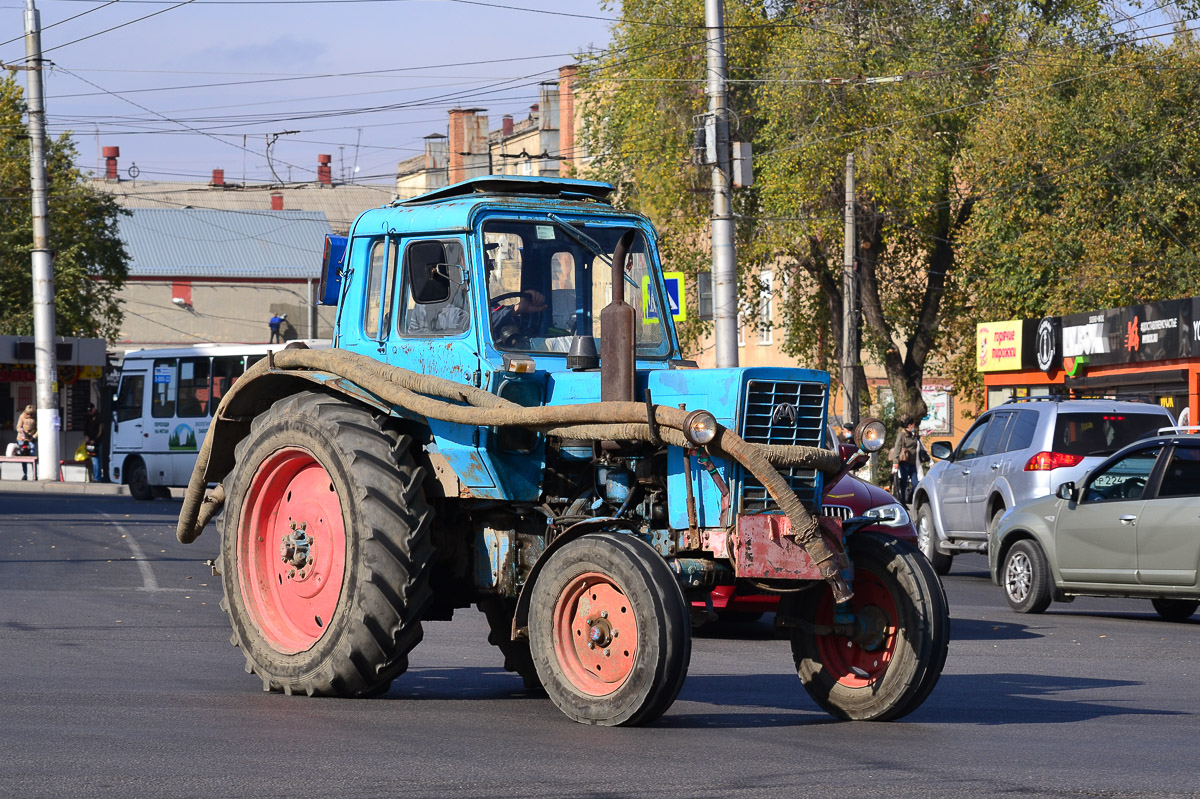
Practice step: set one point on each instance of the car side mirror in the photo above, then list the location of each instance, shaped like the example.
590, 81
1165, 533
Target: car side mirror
941, 450
430, 282
1066, 491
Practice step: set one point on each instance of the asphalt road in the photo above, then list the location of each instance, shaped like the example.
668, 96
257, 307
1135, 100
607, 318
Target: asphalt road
119, 680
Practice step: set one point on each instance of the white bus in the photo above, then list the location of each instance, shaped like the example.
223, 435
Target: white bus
163, 407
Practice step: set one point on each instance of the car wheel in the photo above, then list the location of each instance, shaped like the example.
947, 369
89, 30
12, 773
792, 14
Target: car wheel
1026, 578
1175, 609
927, 541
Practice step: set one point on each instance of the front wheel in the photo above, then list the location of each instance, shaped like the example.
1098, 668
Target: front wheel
609, 631
325, 549
138, 480
1175, 609
1026, 578
889, 669
927, 541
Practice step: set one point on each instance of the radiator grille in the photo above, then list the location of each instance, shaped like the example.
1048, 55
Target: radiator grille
783, 412
837, 511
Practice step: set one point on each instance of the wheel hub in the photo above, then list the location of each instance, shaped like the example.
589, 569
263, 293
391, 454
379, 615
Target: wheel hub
596, 634
296, 551
872, 628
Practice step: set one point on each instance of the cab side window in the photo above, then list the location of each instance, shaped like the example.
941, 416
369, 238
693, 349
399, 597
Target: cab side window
448, 317
381, 280
972, 443
166, 385
996, 432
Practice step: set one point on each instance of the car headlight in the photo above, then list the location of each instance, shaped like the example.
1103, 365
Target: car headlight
893, 515
699, 428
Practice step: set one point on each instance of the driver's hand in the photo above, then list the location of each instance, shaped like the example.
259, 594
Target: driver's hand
532, 302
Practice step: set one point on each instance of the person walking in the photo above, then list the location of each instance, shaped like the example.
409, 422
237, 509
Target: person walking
27, 438
274, 324
905, 455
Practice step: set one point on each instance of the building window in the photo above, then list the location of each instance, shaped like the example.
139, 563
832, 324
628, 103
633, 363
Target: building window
766, 307
704, 295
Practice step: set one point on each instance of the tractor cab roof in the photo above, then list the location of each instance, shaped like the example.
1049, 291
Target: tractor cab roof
519, 186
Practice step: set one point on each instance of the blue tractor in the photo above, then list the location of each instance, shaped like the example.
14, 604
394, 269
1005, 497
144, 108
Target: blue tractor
505, 420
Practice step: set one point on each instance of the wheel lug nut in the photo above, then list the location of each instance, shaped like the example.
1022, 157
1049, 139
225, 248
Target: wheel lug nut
591, 622
591, 644
605, 653
604, 614
615, 633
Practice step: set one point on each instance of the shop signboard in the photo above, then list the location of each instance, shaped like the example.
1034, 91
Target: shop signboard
998, 345
1154, 332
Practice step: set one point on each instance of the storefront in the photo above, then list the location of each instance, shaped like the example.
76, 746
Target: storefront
81, 372
1141, 352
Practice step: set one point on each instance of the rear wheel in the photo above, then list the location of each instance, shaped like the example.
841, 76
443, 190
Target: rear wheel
325, 549
927, 541
609, 631
1026, 578
890, 668
1175, 609
517, 657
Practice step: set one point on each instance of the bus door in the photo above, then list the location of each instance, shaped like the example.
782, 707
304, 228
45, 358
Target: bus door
128, 429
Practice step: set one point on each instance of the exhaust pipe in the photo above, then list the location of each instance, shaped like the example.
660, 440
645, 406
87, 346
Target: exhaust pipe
617, 332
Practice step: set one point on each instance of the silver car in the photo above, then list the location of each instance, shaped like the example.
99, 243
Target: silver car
1130, 528
1014, 452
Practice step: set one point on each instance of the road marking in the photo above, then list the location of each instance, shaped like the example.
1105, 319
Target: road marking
148, 581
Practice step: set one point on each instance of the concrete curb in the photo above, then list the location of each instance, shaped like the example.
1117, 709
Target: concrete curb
56, 487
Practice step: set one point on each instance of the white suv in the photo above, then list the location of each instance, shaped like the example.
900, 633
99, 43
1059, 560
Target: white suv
1017, 451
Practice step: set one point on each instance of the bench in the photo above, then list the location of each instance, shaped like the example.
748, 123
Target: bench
20, 464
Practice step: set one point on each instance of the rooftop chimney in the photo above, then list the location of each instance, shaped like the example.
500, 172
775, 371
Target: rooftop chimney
276, 201
110, 163
218, 178
506, 125
566, 124
468, 144
324, 171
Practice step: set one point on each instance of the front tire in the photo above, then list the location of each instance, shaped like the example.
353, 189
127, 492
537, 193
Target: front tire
897, 592
325, 549
138, 480
1026, 578
927, 541
1175, 609
609, 631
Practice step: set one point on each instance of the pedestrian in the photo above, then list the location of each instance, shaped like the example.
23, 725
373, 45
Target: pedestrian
26, 437
275, 323
95, 434
906, 455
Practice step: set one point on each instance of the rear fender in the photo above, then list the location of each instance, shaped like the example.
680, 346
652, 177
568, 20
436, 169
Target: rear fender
250, 397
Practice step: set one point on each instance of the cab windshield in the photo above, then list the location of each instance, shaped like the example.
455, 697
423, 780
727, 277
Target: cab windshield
544, 286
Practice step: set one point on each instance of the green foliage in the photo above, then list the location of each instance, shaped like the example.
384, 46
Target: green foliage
1085, 176
975, 146
90, 263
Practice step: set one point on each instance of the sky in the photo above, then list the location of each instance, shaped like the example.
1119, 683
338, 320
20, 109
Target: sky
186, 86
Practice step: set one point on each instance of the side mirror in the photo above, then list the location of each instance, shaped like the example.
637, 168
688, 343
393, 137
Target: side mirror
1066, 491
430, 281
332, 262
941, 450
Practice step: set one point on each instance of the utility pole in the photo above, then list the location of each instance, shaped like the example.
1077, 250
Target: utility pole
849, 308
43, 270
724, 263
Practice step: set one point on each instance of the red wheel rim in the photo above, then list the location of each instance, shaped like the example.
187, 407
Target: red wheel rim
291, 550
848, 662
595, 634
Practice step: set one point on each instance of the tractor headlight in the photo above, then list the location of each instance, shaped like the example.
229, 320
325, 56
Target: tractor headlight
893, 515
700, 428
869, 435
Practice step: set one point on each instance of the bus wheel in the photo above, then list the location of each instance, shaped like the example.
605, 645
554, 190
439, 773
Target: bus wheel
138, 480
325, 548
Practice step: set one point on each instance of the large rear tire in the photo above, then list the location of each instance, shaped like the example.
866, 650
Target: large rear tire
897, 592
325, 549
609, 631
517, 657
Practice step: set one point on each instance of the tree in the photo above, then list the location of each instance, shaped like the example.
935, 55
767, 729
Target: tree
1084, 176
90, 262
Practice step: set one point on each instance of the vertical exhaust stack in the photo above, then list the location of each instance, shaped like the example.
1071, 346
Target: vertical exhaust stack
617, 332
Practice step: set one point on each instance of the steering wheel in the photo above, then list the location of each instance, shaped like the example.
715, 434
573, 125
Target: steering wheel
1133, 487
510, 334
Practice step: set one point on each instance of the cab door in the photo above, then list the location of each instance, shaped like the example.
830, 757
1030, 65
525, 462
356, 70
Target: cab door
952, 487
1168, 531
989, 467
430, 324
128, 429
